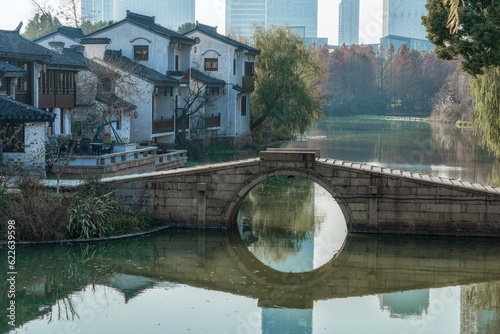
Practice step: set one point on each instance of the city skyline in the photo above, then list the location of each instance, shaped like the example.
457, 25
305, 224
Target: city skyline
212, 12
168, 13
348, 22
302, 17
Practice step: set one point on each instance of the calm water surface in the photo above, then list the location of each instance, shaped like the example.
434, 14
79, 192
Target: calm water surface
288, 266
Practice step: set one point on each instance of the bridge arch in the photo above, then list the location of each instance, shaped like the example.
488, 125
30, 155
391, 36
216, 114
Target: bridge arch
234, 203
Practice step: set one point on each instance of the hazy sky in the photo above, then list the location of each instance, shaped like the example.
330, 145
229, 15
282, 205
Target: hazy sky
212, 12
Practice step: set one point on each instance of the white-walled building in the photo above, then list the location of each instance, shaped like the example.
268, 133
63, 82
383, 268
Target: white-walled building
23, 126
226, 59
68, 35
157, 62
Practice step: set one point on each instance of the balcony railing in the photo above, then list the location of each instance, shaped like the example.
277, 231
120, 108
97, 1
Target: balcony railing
163, 125
212, 121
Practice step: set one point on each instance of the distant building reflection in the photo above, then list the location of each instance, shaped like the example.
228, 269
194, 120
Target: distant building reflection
405, 304
284, 320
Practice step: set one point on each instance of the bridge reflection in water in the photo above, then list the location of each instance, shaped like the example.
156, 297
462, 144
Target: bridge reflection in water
220, 261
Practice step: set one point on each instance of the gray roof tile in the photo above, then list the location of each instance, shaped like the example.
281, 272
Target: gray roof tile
70, 58
12, 111
14, 45
70, 32
206, 79
9, 70
148, 23
138, 69
212, 31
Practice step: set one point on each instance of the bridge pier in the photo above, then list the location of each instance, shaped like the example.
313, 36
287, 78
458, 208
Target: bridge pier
373, 199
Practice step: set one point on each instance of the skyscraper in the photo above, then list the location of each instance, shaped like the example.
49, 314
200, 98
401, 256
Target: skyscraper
349, 22
168, 13
300, 15
404, 18
241, 14
402, 24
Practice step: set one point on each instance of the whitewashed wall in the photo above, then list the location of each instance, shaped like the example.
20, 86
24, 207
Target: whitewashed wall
232, 123
33, 158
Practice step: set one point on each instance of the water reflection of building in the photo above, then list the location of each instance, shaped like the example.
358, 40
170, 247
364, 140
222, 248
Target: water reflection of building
284, 320
406, 303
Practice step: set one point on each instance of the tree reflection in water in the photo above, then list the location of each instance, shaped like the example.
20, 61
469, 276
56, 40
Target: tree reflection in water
281, 219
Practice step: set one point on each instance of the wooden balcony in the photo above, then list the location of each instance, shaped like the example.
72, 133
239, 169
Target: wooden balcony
248, 83
163, 125
212, 121
52, 100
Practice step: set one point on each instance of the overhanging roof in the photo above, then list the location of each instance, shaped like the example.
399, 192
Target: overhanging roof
206, 79
12, 111
117, 59
14, 45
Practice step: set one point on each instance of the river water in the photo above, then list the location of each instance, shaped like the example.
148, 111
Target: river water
287, 267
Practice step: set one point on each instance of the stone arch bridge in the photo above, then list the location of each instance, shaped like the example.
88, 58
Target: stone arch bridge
373, 199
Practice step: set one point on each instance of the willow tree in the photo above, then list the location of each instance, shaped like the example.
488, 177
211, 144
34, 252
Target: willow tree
485, 90
288, 77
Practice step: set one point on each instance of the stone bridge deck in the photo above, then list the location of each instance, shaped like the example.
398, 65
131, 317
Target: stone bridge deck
373, 199
412, 175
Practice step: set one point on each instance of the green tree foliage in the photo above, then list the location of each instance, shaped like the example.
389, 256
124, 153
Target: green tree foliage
471, 29
89, 28
40, 25
477, 36
185, 27
287, 97
485, 90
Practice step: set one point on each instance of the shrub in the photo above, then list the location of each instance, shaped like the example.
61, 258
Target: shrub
91, 216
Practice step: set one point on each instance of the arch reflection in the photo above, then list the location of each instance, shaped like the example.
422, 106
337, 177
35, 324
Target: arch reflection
291, 224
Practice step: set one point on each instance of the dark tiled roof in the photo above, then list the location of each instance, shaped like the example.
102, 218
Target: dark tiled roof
212, 31
208, 80
70, 32
12, 111
13, 44
239, 89
116, 58
95, 41
10, 70
70, 58
148, 23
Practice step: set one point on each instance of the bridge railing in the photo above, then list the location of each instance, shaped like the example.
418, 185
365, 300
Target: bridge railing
125, 156
171, 156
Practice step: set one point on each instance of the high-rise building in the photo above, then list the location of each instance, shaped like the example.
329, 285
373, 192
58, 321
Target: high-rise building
169, 13
402, 24
349, 22
300, 15
404, 18
241, 14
